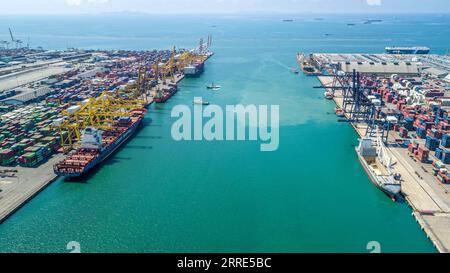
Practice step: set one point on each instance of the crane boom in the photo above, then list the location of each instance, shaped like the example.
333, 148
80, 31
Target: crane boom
11, 34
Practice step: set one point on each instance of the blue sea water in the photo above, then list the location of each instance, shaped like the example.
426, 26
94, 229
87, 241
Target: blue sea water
158, 195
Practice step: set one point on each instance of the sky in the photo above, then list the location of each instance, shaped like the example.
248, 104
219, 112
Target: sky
222, 6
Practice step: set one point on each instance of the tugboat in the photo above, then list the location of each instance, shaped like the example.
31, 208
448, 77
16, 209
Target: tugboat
213, 87
200, 102
328, 95
378, 166
339, 112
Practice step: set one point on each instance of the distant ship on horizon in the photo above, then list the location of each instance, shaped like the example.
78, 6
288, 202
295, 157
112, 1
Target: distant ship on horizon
407, 50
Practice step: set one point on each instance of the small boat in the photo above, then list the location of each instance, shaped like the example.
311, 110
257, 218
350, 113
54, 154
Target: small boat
339, 112
200, 102
293, 70
328, 95
213, 87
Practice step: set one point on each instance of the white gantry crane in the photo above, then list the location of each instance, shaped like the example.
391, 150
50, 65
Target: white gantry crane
15, 41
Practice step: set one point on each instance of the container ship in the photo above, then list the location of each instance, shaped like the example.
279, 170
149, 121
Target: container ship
407, 50
194, 70
165, 93
378, 166
97, 145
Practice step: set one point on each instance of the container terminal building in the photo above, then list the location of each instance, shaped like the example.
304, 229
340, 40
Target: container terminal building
383, 65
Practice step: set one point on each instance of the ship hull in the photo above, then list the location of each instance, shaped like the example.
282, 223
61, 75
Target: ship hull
393, 193
195, 71
406, 50
108, 151
166, 97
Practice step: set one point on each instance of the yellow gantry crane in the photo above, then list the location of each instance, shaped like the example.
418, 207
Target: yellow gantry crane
189, 57
138, 90
185, 59
167, 69
100, 113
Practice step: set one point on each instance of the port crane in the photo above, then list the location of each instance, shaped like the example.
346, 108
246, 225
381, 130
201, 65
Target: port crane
354, 95
185, 59
188, 57
5, 44
156, 72
99, 112
356, 103
13, 40
204, 47
168, 68
137, 89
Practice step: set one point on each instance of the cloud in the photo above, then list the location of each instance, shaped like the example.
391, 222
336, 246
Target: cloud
76, 3
373, 2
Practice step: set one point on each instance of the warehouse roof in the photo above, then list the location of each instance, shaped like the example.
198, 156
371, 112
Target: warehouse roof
436, 72
401, 68
447, 79
28, 94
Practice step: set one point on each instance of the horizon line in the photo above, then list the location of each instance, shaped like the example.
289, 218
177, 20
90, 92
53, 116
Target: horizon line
126, 12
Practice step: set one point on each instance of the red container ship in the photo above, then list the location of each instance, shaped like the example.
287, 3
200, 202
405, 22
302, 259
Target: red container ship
96, 145
165, 94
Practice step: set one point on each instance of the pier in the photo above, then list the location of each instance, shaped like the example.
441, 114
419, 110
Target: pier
19, 185
135, 77
429, 200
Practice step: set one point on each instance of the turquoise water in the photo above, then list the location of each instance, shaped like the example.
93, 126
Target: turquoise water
158, 195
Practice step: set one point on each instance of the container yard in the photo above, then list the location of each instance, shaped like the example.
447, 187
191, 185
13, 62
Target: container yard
404, 100
67, 121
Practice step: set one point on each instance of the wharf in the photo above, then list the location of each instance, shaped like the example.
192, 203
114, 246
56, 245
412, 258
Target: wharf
19, 185
33, 74
429, 199
178, 78
18, 189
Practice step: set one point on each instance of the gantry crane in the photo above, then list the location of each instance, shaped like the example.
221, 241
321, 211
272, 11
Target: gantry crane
168, 68
99, 113
13, 40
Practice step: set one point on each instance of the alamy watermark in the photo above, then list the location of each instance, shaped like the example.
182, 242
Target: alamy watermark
74, 247
234, 123
374, 247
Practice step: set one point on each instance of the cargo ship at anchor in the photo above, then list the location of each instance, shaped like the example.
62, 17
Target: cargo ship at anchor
97, 145
378, 166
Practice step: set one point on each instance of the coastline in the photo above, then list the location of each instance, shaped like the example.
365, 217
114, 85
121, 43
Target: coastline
29, 182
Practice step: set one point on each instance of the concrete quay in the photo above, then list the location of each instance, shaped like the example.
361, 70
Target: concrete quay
428, 198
